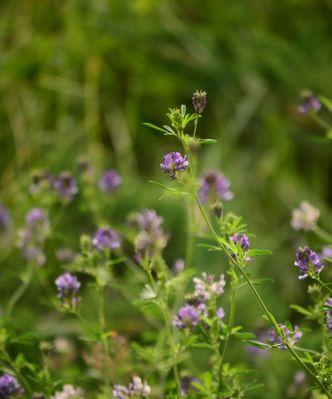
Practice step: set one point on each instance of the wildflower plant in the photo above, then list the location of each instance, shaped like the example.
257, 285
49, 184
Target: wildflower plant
228, 235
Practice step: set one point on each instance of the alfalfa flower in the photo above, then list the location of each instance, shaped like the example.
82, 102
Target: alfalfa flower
242, 240
66, 186
291, 337
328, 314
308, 262
199, 101
137, 388
106, 239
188, 316
33, 236
173, 163
207, 287
110, 181
214, 187
310, 102
9, 387
305, 217
151, 238
69, 392
68, 287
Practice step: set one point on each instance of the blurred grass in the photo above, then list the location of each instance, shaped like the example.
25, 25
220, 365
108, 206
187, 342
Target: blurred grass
78, 78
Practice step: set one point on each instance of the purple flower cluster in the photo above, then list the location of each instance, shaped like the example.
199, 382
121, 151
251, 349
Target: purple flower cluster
68, 287
135, 389
110, 181
151, 238
69, 392
66, 186
214, 186
328, 313
4, 219
9, 387
309, 103
173, 163
188, 316
33, 236
106, 239
199, 101
206, 290
291, 337
242, 240
308, 262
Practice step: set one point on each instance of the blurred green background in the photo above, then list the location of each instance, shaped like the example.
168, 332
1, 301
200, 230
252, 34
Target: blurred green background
78, 78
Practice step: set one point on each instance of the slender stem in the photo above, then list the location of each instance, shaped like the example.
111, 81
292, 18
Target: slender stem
320, 121
323, 284
17, 294
324, 235
104, 338
229, 333
190, 233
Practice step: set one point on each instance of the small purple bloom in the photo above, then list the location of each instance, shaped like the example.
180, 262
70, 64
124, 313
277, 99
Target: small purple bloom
291, 337
326, 253
151, 238
220, 313
187, 317
309, 103
174, 162
199, 101
308, 262
110, 181
214, 186
242, 240
66, 186
68, 287
9, 387
106, 238
328, 313
187, 384
206, 287
36, 217
136, 388
4, 219
178, 266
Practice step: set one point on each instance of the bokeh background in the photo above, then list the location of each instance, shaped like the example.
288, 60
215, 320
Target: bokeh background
78, 79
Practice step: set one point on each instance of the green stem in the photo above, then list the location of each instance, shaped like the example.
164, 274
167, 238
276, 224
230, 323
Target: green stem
322, 284
229, 333
324, 235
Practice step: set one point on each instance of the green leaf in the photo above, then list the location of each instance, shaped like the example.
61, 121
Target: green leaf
327, 102
208, 141
258, 344
183, 110
245, 336
258, 252
301, 310
152, 126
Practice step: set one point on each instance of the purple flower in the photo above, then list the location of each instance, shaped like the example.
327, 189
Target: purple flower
68, 287
220, 313
207, 288
136, 388
66, 186
4, 219
199, 101
326, 253
149, 221
291, 337
309, 103
9, 387
33, 236
214, 186
178, 266
151, 238
328, 313
308, 262
242, 240
174, 162
187, 317
110, 181
106, 238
